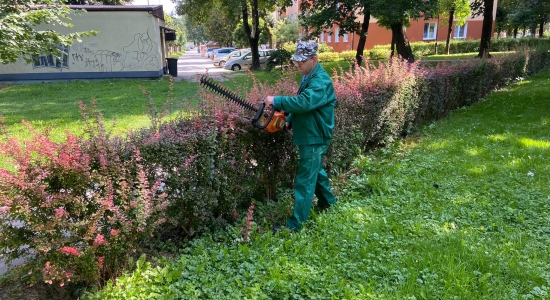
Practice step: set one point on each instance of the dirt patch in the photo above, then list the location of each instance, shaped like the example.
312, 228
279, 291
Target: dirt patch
4, 85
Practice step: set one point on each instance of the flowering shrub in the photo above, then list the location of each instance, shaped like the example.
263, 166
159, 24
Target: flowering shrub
76, 208
377, 105
213, 163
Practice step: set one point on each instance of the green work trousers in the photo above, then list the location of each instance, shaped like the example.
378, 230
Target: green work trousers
311, 179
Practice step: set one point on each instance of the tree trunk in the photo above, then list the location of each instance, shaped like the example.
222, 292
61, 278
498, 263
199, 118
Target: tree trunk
392, 47
363, 36
486, 30
541, 28
267, 30
402, 42
509, 33
253, 34
449, 31
515, 32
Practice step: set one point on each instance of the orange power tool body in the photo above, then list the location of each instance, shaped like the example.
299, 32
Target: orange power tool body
269, 120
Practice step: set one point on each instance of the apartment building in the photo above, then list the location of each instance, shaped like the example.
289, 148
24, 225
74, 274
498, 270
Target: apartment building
420, 30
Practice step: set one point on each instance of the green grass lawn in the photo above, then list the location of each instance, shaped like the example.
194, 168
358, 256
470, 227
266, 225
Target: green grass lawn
121, 102
460, 211
56, 104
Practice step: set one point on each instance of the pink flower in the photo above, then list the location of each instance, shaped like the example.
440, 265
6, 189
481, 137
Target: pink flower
68, 250
101, 260
99, 240
115, 232
61, 212
4, 208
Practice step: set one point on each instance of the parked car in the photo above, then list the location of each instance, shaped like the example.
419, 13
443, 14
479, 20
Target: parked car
209, 52
220, 60
246, 60
222, 51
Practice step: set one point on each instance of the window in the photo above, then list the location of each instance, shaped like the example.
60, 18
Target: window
329, 38
345, 37
322, 38
337, 35
429, 31
460, 31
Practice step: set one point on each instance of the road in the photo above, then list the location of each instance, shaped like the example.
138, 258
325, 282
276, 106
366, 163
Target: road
192, 64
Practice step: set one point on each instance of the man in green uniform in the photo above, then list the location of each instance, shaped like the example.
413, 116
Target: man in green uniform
311, 117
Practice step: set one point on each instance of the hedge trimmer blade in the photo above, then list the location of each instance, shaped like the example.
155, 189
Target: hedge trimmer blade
224, 92
267, 119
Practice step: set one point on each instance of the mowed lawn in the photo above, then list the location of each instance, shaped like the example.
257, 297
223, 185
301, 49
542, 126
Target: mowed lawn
55, 105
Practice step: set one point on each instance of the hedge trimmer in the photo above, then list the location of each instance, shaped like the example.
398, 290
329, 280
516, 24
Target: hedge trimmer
269, 120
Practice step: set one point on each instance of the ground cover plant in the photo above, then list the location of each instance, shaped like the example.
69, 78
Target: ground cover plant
458, 211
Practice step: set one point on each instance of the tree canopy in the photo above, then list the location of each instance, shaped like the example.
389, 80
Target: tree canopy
321, 15
248, 11
21, 35
453, 10
286, 31
220, 28
97, 2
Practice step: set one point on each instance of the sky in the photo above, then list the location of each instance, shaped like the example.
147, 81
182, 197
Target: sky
168, 6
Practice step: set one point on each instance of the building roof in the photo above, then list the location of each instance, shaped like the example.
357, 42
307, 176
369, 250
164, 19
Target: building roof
155, 10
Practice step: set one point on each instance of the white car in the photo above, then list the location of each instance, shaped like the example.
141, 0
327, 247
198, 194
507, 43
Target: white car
220, 60
245, 60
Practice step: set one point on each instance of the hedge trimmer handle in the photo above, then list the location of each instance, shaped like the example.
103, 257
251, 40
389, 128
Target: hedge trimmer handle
268, 120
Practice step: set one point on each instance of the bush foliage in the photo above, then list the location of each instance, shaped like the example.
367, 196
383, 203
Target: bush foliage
77, 207
420, 49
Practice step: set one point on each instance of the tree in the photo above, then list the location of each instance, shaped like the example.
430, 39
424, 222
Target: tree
531, 14
97, 2
199, 11
194, 33
321, 15
286, 31
221, 28
395, 15
484, 7
241, 39
503, 22
21, 36
457, 10
178, 25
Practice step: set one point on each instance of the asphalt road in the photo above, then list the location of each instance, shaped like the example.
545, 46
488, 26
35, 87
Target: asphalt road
192, 65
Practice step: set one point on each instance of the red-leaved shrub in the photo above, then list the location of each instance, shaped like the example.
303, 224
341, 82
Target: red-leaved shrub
75, 210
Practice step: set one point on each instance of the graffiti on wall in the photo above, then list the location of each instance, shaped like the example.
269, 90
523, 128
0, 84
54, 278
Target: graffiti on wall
51, 61
139, 55
141, 52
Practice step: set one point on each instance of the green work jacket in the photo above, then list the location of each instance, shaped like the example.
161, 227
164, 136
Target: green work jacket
311, 111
